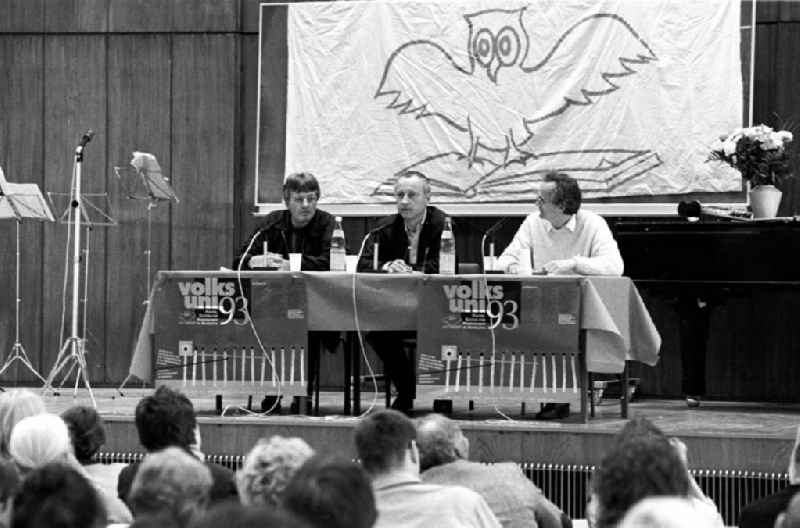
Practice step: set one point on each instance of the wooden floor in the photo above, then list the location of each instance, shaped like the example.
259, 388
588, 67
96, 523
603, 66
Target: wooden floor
720, 435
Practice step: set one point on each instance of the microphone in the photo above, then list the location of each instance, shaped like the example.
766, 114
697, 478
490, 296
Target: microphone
694, 209
87, 137
369, 233
492, 229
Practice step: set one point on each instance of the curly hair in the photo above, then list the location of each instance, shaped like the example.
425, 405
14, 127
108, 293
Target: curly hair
268, 468
567, 192
171, 482
643, 465
87, 431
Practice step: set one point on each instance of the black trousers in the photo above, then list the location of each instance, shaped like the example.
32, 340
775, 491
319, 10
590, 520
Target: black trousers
398, 365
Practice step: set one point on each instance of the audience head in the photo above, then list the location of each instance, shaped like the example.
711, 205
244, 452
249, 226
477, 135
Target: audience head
268, 467
165, 419
37, 440
87, 431
790, 517
331, 493
667, 512
171, 482
440, 441
384, 440
562, 192
234, 515
14, 406
56, 495
9, 486
638, 467
412, 191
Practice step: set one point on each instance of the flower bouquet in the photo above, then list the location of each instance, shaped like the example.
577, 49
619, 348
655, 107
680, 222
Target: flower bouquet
758, 152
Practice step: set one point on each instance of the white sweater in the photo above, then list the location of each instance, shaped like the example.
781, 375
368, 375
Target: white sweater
586, 238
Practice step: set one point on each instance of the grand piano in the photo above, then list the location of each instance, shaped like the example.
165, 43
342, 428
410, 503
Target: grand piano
725, 296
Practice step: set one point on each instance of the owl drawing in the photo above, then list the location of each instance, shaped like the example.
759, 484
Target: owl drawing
477, 92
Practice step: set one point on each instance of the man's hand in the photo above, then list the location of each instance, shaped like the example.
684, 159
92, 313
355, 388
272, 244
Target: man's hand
560, 266
397, 266
270, 260
513, 269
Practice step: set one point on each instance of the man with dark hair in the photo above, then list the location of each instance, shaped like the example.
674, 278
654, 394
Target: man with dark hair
561, 237
407, 241
56, 495
514, 499
300, 228
331, 493
167, 419
386, 445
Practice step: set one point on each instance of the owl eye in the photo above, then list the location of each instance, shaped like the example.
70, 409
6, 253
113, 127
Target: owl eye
507, 46
482, 47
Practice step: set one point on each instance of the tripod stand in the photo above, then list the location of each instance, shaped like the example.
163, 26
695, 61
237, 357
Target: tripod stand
18, 201
72, 355
148, 184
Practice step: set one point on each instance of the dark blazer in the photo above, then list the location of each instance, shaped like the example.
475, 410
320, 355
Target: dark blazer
393, 242
313, 240
763, 512
222, 489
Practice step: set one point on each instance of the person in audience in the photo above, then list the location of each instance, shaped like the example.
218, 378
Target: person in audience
167, 419
14, 406
331, 493
644, 462
790, 517
268, 467
232, 515
171, 482
407, 241
514, 499
764, 511
387, 447
88, 434
9, 486
300, 228
43, 438
666, 512
561, 238
56, 495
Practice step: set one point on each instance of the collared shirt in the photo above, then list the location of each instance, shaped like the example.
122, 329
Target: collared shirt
404, 501
413, 238
587, 239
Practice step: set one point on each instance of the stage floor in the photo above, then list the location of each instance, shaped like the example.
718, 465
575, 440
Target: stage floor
720, 435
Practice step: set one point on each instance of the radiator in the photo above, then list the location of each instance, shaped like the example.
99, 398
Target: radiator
568, 485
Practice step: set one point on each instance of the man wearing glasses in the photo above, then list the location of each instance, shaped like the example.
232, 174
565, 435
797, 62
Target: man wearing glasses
560, 238
300, 228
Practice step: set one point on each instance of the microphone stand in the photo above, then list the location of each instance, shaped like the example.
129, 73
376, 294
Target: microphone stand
73, 351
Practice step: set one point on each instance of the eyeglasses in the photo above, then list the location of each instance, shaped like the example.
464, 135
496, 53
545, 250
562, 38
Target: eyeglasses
301, 199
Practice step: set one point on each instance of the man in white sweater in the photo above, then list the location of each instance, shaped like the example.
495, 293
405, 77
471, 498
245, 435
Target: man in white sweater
560, 238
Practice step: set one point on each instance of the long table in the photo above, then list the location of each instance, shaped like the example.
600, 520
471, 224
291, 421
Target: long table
495, 338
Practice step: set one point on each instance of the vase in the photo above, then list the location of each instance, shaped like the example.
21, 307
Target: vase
764, 201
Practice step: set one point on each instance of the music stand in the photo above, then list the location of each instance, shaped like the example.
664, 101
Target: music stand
80, 210
20, 201
146, 182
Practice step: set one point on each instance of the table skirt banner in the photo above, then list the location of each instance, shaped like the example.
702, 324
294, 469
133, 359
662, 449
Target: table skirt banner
211, 330
499, 339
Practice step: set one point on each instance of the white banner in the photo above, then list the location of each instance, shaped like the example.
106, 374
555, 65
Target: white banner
486, 97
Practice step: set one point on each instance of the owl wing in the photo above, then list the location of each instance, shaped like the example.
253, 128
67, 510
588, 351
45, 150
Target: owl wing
423, 80
612, 60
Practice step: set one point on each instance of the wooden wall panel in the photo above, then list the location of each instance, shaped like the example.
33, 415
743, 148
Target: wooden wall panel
139, 76
21, 153
216, 16
244, 188
204, 95
75, 101
76, 16
135, 16
21, 16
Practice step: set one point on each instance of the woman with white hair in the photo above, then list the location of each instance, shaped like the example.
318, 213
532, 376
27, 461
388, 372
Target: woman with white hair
14, 406
269, 467
44, 438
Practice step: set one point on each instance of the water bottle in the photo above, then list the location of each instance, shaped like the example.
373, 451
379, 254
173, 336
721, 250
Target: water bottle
338, 261
447, 250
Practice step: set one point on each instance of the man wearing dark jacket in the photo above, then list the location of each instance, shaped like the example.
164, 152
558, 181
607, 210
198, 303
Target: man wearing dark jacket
300, 228
407, 241
167, 419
